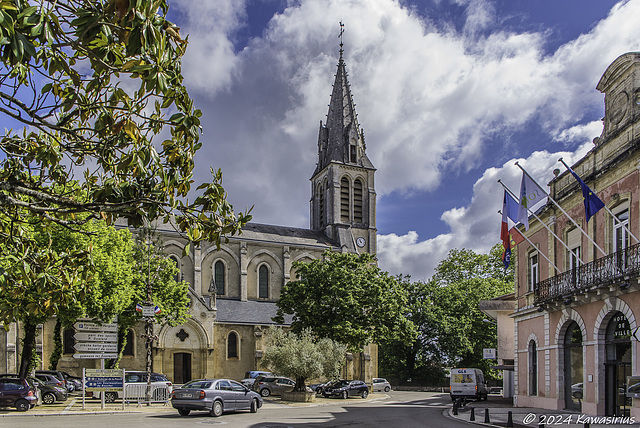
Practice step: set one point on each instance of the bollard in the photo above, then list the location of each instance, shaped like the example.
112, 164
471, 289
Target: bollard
486, 416
540, 424
455, 408
509, 419
473, 414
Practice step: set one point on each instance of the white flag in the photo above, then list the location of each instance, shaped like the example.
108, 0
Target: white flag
530, 195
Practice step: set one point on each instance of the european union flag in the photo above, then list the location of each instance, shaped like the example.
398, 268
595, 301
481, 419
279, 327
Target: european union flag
592, 203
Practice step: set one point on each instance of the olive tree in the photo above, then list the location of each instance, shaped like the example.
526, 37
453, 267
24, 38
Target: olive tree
302, 356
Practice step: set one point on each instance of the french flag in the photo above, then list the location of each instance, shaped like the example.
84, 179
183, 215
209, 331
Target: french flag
504, 233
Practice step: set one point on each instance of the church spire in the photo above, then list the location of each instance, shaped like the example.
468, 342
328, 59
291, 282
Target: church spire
341, 139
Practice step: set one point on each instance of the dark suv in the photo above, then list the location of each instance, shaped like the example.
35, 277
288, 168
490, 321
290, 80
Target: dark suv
18, 393
346, 389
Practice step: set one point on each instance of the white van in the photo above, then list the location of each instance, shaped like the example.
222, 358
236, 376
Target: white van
467, 383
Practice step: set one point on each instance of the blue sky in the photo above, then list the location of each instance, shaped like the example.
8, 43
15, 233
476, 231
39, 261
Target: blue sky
450, 93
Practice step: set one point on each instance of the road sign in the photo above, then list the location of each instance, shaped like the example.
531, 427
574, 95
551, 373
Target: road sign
103, 372
97, 355
95, 337
91, 326
95, 347
104, 382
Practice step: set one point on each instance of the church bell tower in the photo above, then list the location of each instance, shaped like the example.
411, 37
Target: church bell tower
343, 197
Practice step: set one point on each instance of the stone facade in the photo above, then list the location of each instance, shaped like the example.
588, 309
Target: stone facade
574, 344
233, 289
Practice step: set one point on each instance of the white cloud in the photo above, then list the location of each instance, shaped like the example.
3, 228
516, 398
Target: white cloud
428, 100
476, 226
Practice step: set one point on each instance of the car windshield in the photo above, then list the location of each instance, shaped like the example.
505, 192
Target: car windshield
197, 384
342, 383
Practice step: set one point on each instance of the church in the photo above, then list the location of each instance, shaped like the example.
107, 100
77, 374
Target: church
234, 289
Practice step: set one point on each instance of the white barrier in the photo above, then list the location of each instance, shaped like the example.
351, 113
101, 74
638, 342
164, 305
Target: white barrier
138, 393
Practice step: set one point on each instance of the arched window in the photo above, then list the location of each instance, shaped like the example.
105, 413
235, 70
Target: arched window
129, 346
533, 368
175, 260
68, 340
219, 278
357, 201
232, 345
344, 199
321, 204
263, 282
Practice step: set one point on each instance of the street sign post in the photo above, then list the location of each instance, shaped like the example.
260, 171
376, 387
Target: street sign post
97, 356
96, 347
95, 327
82, 336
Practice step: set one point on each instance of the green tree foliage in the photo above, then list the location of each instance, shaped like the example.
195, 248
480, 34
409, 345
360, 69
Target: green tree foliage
302, 356
95, 90
347, 298
451, 330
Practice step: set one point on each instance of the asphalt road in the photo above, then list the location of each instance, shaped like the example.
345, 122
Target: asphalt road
395, 409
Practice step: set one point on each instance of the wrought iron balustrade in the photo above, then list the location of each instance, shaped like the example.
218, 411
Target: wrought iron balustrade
614, 268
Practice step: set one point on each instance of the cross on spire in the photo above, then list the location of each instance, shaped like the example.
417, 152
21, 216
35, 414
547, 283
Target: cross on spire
340, 36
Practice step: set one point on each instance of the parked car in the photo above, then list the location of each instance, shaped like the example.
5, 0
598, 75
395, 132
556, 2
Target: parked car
250, 377
70, 387
577, 390
135, 388
380, 384
75, 380
50, 379
273, 385
49, 393
346, 389
18, 393
214, 396
319, 387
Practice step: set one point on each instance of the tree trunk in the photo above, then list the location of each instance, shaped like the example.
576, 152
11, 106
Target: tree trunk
57, 347
300, 384
28, 348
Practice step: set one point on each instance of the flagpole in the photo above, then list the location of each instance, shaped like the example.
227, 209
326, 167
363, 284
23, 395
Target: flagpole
542, 223
563, 211
615, 219
534, 246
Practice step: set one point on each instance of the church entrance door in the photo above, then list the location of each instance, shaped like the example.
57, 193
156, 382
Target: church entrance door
181, 368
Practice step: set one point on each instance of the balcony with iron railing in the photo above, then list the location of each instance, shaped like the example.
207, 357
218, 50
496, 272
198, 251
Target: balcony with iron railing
616, 268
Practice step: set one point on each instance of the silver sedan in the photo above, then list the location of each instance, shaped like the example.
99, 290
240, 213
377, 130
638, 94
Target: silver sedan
214, 396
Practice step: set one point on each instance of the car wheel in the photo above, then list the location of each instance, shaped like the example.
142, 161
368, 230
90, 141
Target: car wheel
216, 409
48, 398
254, 405
364, 393
345, 395
110, 397
265, 392
184, 412
387, 389
22, 405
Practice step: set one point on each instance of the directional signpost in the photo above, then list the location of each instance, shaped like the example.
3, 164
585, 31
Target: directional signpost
95, 341
102, 380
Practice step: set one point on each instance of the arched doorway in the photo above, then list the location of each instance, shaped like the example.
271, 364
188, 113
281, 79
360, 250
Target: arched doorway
617, 365
573, 374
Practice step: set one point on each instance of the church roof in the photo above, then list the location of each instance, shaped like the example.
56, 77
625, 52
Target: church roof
342, 128
232, 311
285, 235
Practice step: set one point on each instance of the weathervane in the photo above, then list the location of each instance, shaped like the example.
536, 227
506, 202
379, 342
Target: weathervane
340, 35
